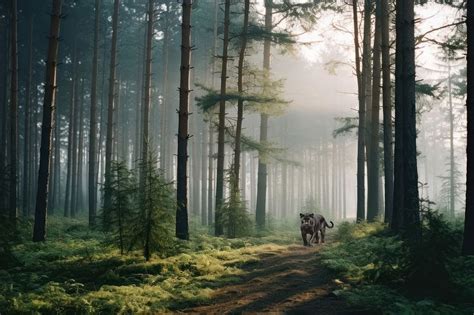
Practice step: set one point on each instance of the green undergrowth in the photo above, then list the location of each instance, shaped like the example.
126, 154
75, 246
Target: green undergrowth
378, 271
78, 271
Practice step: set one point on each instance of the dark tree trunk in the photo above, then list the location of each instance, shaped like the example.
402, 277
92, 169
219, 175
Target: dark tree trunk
361, 127
80, 155
240, 104
468, 241
387, 111
182, 231
110, 106
93, 123
164, 112
373, 156
67, 200
210, 190
147, 90
204, 173
219, 229
39, 232
260, 210
27, 140
406, 202
13, 143
75, 127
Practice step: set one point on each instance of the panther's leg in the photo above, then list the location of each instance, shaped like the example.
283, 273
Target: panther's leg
316, 236
305, 240
323, 232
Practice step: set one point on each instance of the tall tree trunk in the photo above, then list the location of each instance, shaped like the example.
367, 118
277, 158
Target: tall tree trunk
13, 143
373, 156
39, 232
67, 201
387, 111
80, 155
262, 166
110, 106
204, 160
219, 229
147, 90
451, 147
210, 184
93, 123
240, 103
164, 130
182, 230
57, 161
27, 141
75, 127
361, 127
406, 202
468, 240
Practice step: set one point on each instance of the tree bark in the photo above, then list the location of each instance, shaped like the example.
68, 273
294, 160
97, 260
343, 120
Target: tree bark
27, 140
468, 240
39, 232
361, 126
240, 103
373, 169
387, 111
72, 110
147, 90
93, 123
219, 229
13, 143
451, 147
262, 166
406, 202
182, 231
110, 106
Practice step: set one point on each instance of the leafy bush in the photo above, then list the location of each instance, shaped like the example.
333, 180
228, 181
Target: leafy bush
382, 271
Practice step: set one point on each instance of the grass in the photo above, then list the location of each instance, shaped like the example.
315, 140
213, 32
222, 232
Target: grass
77, 271
378, 272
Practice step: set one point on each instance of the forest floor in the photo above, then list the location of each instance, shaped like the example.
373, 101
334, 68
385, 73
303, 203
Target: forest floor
289, 281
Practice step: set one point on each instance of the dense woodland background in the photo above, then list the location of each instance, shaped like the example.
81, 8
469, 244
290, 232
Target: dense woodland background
141, 128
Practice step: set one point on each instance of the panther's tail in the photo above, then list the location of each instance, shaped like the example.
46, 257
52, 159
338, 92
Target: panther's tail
327, 225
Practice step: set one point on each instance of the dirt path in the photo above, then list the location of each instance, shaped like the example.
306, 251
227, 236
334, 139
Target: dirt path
289, 282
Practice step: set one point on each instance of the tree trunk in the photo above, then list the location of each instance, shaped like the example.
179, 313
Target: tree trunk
110, 106
240, 103
262, 166
27, 141
210, 177
39, 232
468, 241
204, 160
75, 140
221, 129
451, 147
182, 231
93, 123
72, 110
80, 155
13, 143
373, 165
361, 126
147, 90
406, 202
164, 113
387, 111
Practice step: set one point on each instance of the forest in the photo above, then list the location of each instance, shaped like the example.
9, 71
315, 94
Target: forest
236, 156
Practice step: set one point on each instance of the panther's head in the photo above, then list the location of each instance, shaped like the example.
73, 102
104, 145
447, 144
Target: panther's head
307, 219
